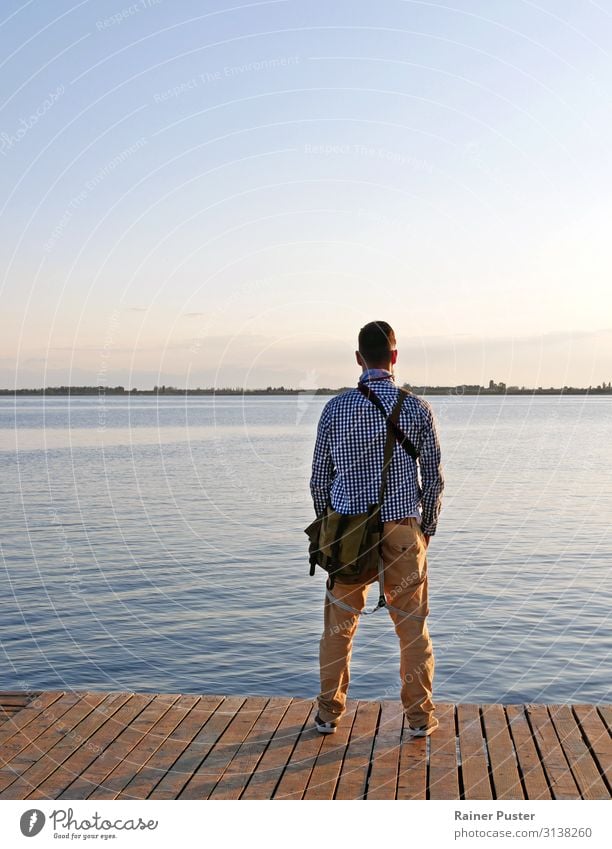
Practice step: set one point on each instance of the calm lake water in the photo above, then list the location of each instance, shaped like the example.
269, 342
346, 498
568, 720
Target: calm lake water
158, 545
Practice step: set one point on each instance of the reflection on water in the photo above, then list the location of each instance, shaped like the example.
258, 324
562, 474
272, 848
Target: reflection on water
158, 545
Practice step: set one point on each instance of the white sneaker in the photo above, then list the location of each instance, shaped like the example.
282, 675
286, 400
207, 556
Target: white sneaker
422, 730
325, 727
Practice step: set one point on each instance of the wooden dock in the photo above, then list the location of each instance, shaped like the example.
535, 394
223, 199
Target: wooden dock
95, 745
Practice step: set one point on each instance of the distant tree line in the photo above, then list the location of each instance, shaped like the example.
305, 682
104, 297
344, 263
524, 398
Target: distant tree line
462, 389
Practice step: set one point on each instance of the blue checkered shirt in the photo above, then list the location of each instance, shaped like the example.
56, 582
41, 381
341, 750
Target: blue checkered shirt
348, 457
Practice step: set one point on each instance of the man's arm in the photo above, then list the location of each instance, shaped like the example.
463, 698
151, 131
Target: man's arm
432, 476
322, 463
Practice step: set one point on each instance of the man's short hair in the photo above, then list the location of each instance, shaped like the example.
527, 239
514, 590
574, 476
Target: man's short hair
376, 341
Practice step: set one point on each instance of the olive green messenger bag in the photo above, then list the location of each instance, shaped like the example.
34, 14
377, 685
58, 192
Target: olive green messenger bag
348, 547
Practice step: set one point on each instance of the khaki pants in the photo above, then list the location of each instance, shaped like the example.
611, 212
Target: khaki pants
405, 565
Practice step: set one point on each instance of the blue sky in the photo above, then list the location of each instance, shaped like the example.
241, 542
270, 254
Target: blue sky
208, 193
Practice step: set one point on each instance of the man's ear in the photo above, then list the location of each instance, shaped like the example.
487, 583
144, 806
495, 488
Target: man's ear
358, 358
393, 357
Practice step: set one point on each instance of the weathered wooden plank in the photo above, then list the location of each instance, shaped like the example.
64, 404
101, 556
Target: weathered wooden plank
70, 742
86, 753
530, 766
584, 769
472, 747
443, 773
598, 739
123, 745
352, 783
7, 713
382, 783
135, 784
221, 714
276, 757
243, 764
294, 780
328, 765
120, 749
558, 773
605, 711
412, 775
32, 712
170, 750
26, 694
31, 751
502, 760
124, 772
204, 779
15, 699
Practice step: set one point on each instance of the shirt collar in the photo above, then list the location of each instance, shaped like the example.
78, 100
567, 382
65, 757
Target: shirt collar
375, 374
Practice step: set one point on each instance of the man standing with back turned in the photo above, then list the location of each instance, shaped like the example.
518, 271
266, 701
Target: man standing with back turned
346, 473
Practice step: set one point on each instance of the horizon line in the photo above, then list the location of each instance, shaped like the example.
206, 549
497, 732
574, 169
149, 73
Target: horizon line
166, 389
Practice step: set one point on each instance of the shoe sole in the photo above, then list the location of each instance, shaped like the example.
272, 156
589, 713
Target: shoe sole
424, 733
325, 730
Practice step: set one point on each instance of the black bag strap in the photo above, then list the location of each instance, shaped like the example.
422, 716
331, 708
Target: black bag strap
399, 434
388, 451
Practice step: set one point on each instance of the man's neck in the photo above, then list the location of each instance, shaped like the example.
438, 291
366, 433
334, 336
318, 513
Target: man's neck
375, 374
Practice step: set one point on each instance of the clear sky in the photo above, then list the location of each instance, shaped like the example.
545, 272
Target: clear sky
209, 193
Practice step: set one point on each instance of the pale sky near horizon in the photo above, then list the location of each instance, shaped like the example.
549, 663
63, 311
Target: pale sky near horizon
222, 194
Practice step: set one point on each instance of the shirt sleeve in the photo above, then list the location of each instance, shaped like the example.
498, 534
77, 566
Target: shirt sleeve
322, 463
432, 475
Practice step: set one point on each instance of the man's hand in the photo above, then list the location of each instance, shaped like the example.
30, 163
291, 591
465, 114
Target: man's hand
427, 538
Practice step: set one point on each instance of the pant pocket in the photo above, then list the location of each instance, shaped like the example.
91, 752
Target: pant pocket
405, 559
404, 553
